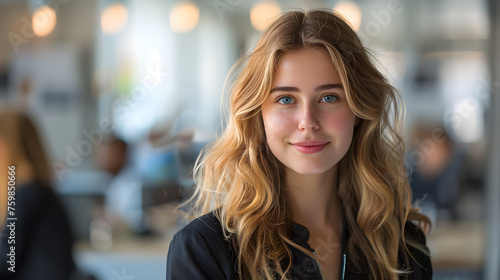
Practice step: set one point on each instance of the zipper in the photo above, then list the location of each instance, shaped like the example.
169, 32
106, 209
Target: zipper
344, 255
344, 261
319, 265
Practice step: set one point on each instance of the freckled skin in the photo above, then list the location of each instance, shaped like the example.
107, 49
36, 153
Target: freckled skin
309, 113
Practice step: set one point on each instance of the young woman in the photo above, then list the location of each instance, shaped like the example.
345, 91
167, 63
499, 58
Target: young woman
308, 179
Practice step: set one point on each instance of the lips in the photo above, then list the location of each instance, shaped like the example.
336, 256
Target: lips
310, 147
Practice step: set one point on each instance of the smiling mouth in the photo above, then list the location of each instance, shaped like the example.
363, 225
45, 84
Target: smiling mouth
310, 147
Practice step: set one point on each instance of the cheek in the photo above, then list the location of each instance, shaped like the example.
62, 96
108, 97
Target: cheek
276, 122
342, 122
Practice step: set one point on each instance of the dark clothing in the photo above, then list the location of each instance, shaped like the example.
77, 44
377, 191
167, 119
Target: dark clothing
199, 251
43, 240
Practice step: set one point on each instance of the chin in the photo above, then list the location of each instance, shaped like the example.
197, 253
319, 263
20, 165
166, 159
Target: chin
309, 170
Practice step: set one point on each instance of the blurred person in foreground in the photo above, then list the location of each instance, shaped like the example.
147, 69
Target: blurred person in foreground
43, 238
308, 179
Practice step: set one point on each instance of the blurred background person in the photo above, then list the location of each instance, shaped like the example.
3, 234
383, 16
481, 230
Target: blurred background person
123, 195
436, 171
43, 238
111, 155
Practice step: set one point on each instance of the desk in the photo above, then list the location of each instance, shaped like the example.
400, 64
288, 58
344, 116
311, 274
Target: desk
458, 245
130, 256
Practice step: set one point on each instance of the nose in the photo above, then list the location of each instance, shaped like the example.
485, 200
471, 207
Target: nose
308, 119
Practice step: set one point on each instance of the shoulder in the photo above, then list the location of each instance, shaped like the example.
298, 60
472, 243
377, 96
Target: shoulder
34, 198
207, 227
419, 258
36, 195
33, 190
414, 232
40, 208
200, 251
40, 199
208, 223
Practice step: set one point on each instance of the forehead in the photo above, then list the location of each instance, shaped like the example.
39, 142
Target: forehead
307, 66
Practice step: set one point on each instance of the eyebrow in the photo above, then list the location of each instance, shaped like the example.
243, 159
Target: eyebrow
296, 89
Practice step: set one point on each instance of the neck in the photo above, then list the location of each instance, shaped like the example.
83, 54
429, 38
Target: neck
314, 200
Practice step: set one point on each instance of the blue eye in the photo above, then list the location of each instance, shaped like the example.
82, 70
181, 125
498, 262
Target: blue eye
285, 100
329, 98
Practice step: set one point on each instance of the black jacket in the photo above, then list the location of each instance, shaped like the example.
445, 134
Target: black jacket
199, 251
43, 239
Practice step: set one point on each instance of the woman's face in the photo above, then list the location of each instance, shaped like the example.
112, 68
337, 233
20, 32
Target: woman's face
308, 123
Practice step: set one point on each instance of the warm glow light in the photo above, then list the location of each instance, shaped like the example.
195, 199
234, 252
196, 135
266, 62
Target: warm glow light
114, 18
43, 21
351, 12
263, 14
184, 17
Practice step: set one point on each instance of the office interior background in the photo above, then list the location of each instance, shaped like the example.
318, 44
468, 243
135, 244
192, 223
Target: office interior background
152, 72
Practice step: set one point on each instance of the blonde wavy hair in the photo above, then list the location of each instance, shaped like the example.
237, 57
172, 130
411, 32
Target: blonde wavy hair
241, 179
21, 147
